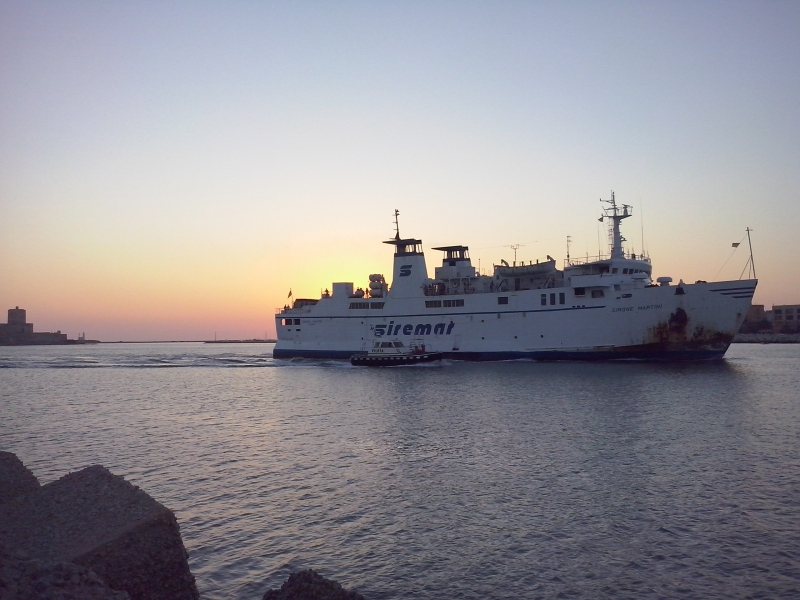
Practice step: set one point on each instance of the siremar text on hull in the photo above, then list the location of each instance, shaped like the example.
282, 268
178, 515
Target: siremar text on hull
605, 307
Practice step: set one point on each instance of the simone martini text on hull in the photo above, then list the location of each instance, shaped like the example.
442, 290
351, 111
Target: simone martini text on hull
604, 307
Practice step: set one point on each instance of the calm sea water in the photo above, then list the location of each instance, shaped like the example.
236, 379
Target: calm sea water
460, 480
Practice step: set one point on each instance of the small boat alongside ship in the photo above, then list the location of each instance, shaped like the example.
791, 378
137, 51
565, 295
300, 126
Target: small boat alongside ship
394, 354
600, 308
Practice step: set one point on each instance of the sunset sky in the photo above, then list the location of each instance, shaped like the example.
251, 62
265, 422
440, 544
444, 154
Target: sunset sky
169, 170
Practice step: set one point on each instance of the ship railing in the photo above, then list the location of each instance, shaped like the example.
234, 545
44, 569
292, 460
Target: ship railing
574, 262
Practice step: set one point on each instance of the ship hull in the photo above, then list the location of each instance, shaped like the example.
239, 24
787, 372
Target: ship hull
688, 322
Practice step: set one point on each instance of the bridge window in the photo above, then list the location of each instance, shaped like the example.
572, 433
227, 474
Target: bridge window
562, 298
433, 304
544, 299
580, 291
502, 300
552, 298
598, 294
359, 305
297, 321
376, 304
451, 303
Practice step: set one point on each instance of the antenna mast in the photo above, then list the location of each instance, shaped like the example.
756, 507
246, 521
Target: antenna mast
569, 239
396, 224
616, 214
515, 247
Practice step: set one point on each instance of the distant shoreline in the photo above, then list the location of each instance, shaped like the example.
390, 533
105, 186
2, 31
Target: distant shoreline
254, 341
767, 338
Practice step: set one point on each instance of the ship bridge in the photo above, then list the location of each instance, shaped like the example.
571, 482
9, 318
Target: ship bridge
456, 263
407, 247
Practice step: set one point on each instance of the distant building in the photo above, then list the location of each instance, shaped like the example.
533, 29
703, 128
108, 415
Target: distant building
755, 314
18, 332
785, 318
756, 320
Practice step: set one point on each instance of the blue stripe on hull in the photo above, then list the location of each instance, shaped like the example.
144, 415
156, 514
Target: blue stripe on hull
638, 353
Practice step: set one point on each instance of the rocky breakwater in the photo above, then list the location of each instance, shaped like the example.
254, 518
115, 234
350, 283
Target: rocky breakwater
310, 585
90, 534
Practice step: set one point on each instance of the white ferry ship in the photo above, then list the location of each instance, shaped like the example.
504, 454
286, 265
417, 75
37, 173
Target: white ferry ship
606, 307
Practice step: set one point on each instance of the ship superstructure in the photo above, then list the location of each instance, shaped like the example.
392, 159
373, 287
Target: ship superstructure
605, 307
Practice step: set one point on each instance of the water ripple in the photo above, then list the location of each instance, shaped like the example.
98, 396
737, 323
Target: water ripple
506, 480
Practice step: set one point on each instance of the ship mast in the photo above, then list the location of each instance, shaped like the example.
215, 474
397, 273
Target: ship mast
396, 224
752, 264
616, 214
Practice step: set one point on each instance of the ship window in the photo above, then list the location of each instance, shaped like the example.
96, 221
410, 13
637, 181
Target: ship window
451, 303
561, 298
598, 294
386, 344
552, 298
398, 344
433, 304
778, 311
624, 271
614, 270
580, 291
502, 300
287, 321
452, 263
359, 305
376, 305
297, 321
790, 317
544, 299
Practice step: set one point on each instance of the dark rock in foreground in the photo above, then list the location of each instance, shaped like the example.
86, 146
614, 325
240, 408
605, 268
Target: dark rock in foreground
310, 585
15, 478
23, 579
105, 525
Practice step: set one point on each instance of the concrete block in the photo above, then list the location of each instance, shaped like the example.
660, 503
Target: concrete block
15, 478
96, 519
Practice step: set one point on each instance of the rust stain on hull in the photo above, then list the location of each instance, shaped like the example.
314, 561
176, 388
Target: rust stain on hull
675, 335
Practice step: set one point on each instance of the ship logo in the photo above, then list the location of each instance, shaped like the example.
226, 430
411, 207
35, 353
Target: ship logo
417, 330
405, 270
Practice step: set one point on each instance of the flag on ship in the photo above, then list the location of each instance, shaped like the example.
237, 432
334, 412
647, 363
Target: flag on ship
290, 293
735, 244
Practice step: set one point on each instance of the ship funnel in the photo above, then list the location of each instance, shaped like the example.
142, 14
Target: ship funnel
410, 270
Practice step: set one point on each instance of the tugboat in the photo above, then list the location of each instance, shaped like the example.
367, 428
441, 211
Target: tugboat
393, 354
